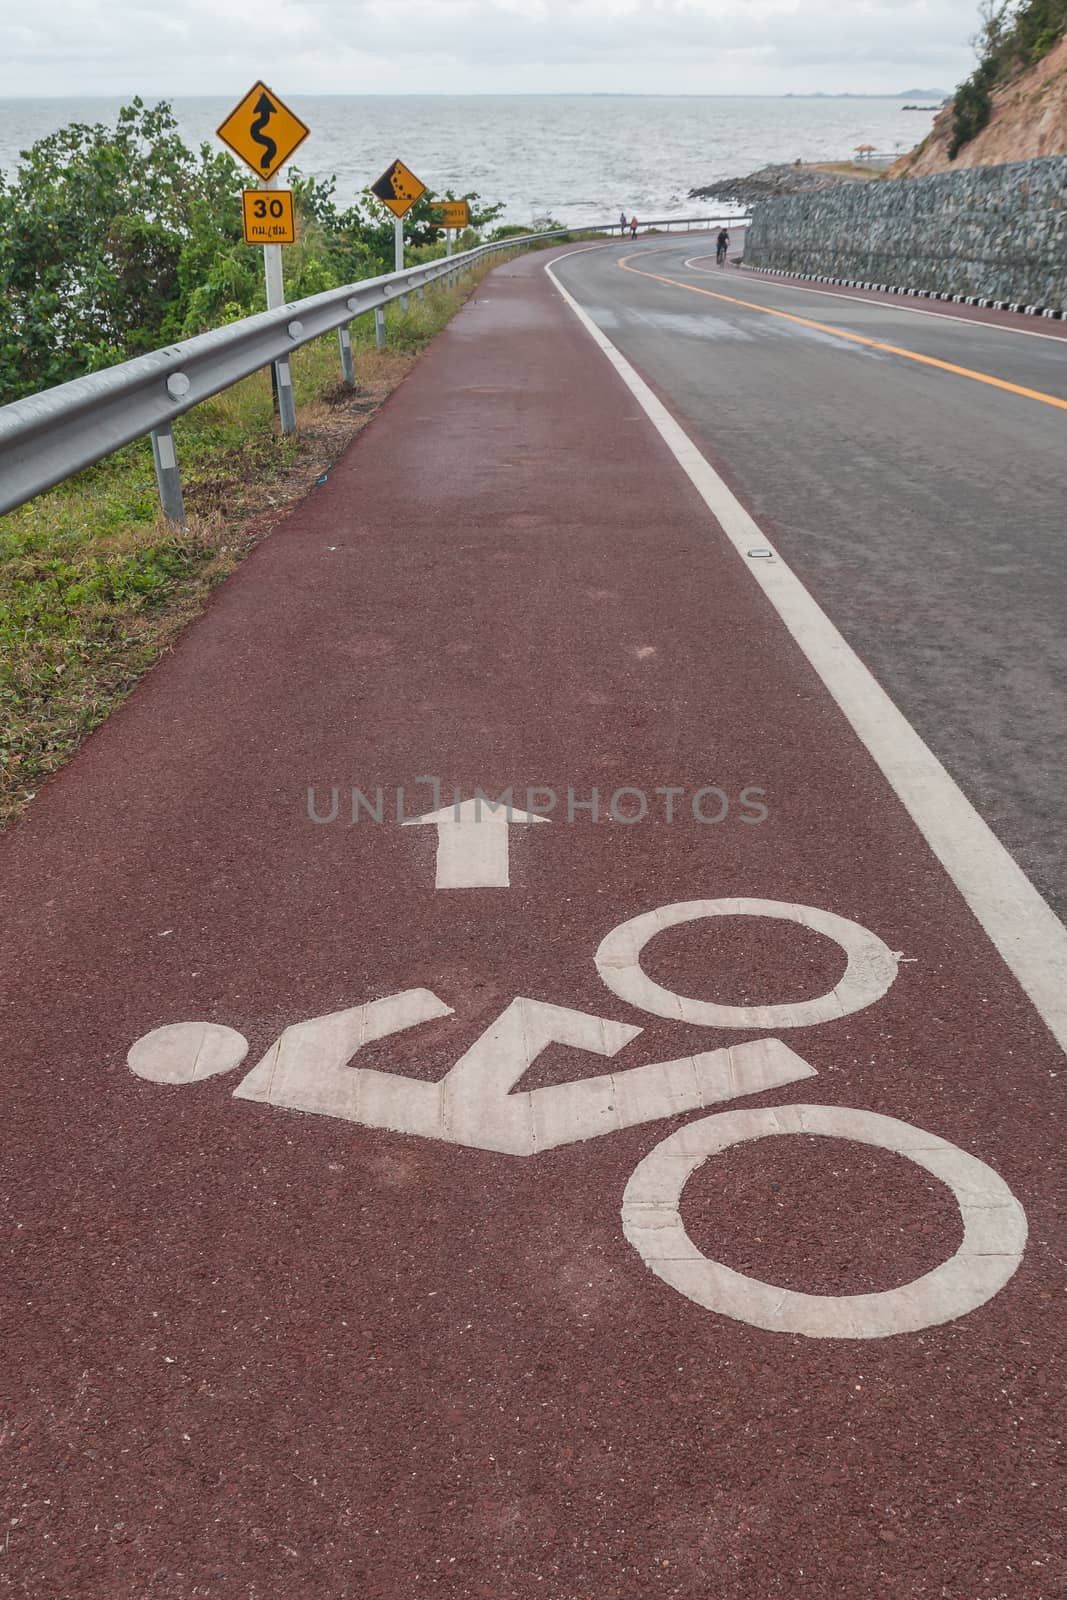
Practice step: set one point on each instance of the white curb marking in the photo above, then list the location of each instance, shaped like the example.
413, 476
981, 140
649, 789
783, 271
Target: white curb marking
887, 305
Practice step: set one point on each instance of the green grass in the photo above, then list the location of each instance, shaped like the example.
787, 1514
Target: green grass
94, 584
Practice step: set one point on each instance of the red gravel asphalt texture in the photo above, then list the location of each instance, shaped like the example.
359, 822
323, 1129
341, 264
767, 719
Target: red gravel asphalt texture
253, 1354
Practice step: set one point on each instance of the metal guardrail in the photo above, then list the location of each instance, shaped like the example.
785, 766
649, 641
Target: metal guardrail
47, 437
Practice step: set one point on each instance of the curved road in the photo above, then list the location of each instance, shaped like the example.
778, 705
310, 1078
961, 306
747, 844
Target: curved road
923, 508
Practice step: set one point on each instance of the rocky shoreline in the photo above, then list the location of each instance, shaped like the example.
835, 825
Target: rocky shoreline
798, 178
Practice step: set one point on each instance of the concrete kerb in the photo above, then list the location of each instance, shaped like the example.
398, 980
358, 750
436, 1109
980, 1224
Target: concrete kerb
982, 302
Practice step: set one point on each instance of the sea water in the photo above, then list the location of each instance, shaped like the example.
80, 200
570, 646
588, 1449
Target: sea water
578, 158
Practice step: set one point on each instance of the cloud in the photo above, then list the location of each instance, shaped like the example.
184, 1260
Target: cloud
474, 46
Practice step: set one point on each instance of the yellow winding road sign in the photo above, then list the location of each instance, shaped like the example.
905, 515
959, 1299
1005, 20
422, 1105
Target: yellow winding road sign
263, 131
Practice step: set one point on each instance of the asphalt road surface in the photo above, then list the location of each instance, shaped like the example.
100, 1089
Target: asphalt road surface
926, 512
662, 1199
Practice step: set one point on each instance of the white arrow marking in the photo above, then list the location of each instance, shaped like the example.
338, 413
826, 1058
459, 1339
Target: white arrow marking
309, 1069
472, 843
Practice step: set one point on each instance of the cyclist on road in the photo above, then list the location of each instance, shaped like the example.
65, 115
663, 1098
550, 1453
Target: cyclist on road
721, 247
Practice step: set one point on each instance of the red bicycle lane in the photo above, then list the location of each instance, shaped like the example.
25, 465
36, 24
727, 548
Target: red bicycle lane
251, 1352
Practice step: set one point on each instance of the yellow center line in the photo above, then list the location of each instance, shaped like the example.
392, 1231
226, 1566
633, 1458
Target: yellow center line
855, 338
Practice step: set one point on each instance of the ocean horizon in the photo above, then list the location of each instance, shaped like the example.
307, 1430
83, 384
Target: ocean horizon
579, 158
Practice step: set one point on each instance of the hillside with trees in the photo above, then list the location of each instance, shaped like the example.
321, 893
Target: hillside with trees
1013, 107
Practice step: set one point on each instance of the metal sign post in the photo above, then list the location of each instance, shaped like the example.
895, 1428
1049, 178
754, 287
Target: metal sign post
283, 378
263, 131
398, 189
398, 255
451, 215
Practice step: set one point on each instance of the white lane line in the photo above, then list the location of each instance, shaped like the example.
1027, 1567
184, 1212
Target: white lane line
1021, 925
889, 305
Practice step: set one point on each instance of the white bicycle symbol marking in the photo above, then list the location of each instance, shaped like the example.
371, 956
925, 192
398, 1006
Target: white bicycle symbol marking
309, 1069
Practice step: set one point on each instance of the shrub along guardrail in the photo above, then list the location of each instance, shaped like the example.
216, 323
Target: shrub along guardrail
47, 437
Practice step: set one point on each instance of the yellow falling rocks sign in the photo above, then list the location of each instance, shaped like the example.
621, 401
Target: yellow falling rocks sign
268, 216
398, 188
263, 131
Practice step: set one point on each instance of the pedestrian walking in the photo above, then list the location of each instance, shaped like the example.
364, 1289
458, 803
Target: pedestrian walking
623, 224
633, 227
722, 244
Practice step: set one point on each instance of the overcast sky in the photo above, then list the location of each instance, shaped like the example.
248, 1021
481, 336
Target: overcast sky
301, 47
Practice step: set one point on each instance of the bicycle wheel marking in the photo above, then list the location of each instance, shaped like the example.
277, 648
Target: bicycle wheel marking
479, 1102
994, 1229
871, 970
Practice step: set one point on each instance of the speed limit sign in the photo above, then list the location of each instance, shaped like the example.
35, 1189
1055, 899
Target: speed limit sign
268, 216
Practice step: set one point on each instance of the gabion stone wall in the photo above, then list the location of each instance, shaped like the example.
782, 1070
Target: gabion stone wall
999, 232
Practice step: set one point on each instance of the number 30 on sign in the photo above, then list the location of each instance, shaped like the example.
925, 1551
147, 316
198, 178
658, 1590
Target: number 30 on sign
268, 216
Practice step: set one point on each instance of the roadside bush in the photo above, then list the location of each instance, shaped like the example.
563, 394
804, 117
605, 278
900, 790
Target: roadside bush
971, 111
114, 241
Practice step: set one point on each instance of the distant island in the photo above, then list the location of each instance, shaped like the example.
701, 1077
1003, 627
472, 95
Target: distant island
940, 95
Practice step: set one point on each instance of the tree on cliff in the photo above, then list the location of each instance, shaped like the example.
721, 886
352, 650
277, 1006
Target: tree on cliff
1014, 35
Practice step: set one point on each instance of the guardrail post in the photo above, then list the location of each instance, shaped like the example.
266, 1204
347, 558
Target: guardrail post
167, 476
379, 327
283, 379
348, 371
286, 403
